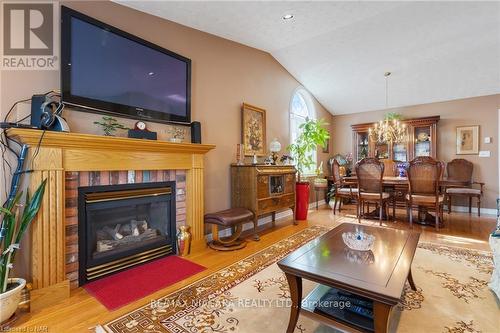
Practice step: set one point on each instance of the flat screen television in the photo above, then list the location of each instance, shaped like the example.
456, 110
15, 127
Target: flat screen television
106, 70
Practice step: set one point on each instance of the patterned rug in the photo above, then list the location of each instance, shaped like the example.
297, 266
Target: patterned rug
252, 296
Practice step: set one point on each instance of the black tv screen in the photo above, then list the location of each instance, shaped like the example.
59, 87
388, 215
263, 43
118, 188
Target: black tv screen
107, 70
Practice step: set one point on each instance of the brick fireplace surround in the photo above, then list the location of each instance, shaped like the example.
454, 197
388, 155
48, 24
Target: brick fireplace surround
75, 179
69, 160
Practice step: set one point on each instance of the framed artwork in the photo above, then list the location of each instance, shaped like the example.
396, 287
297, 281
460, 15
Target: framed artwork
326, 148
253, 130
467, 140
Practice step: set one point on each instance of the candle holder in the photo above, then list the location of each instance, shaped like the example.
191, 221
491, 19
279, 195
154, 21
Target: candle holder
239, 154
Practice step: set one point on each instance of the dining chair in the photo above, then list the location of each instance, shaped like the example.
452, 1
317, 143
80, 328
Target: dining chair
341, 189
370, 173
390, 167
424, 174
443, 167
460, 170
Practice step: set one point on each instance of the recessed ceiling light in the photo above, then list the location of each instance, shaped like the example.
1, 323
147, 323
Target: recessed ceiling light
287, 17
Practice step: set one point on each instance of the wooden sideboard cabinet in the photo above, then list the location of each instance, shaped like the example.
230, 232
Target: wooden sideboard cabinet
264, 189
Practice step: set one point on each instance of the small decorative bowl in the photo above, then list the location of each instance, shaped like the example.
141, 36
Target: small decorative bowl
358, 240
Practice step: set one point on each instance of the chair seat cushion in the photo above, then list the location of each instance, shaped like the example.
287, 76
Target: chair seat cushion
229, 217
424, 199
463, 190
374, 196
346, 190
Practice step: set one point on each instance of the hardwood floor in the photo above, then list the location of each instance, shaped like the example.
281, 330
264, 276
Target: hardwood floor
82, 312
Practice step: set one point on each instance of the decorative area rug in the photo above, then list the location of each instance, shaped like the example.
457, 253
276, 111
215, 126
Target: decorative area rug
252, 296
119, 289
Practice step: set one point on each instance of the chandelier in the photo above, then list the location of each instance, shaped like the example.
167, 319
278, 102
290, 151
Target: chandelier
388, 130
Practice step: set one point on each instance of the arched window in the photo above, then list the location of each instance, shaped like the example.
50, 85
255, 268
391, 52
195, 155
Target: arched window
301, 108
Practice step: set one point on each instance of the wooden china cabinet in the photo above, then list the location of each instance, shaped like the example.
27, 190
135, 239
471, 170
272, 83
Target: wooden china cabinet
422, 141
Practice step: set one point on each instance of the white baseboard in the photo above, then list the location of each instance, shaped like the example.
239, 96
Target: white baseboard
465, 209
267, 219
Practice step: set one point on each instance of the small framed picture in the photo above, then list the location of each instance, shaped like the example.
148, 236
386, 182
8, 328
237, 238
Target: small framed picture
253, 130
468, 140
326, 147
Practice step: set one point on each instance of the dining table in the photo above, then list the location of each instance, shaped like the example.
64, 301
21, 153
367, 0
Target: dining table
400, 186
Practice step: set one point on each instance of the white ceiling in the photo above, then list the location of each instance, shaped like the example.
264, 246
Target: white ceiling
339, 51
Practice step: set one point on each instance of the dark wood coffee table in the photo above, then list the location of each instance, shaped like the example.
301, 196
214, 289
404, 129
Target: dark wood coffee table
379, 276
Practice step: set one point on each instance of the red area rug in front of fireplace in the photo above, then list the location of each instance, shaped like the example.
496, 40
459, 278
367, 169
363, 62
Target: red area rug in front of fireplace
119, 289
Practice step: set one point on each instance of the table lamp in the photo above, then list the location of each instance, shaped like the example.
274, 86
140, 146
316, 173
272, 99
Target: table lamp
274, 148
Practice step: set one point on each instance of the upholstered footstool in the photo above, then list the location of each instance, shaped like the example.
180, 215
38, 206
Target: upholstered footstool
233, 218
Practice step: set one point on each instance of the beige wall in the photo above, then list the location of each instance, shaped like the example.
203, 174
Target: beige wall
224, 74
482, 111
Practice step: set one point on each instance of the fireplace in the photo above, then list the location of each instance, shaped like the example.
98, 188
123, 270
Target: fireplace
120, 226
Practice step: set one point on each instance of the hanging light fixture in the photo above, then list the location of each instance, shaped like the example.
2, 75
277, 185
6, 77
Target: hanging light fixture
388, 130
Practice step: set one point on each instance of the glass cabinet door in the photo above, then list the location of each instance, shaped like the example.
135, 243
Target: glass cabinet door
362, 145
382, 150
422, 137
400, 152
276, 184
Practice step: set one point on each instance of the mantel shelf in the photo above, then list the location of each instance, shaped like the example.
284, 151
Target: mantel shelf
89, 141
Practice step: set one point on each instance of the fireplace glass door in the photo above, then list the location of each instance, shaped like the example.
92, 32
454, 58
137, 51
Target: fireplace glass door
126, 227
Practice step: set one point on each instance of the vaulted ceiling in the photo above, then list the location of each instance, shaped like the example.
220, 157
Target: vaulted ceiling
340, 51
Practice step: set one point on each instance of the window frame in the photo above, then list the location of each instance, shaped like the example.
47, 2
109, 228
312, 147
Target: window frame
309, 104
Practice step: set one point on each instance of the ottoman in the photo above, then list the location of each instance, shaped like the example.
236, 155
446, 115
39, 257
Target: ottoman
233, 218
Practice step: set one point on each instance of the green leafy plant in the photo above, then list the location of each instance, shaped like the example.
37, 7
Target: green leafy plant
312, 134
109, 125
14, 224
393, 116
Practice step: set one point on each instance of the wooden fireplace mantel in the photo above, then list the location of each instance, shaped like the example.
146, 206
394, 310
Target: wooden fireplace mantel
62, 152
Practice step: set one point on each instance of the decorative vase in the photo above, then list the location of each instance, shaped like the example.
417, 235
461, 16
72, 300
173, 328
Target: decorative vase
10, 299
183, 241
342, 171
302, 200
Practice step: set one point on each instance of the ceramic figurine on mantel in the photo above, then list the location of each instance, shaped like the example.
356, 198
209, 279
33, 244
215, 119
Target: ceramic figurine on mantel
254, 159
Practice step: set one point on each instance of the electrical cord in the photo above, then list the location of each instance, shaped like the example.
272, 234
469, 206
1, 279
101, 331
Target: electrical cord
5, 139
5, 162
37, 150
27, 100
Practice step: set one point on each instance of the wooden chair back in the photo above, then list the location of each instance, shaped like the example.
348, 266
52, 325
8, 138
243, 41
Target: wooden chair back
460, 170
423, 176
370, 172
443, 167
335, 170
390, 168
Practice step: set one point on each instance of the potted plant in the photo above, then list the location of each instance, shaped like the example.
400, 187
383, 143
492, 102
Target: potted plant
313, 134
109, 125
14, 223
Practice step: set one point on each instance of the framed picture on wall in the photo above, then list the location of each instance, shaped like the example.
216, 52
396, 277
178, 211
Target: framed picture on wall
326, 147
468, 140
253, 130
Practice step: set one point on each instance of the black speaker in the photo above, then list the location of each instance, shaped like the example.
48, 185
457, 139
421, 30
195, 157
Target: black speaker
36, 110
195, 132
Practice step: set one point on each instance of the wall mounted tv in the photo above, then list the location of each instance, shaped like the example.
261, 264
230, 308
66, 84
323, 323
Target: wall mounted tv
106, 70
